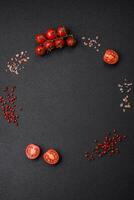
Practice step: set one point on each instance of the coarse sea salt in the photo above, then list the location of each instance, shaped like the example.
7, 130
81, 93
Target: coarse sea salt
125, 89
16, 63
91, 43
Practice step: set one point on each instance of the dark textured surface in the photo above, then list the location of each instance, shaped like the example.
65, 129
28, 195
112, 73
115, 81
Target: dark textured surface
69, 99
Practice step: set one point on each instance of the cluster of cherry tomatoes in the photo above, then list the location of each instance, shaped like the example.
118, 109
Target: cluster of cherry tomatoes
54, 39
51, 156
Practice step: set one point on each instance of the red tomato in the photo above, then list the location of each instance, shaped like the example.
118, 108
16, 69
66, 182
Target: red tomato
110, 57
71, 41
40, 50
49, 45
59, 43
32, 151
51, 34
1, 98
62, 31
51, 157
40, 38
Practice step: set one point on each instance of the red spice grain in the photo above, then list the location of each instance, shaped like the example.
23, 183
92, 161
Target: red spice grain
109, 146
8, 108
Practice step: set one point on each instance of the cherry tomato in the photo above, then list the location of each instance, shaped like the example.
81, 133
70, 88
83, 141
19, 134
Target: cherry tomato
1, 98
110, 57
71, 41
51, 157
62, 31
59, 43
40, 50
51, 34
32, 151
40, 38
49, 45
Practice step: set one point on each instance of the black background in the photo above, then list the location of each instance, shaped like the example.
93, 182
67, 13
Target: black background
69, 98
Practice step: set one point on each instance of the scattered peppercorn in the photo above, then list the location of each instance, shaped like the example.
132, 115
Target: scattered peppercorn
109, 146
8, 107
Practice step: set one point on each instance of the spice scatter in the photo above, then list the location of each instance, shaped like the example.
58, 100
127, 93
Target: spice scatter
16, 63
8, 107
109, 146
125, 90
93, 43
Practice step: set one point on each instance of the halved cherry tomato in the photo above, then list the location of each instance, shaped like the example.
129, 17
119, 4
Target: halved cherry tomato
110, 57
32, 151
51, 157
